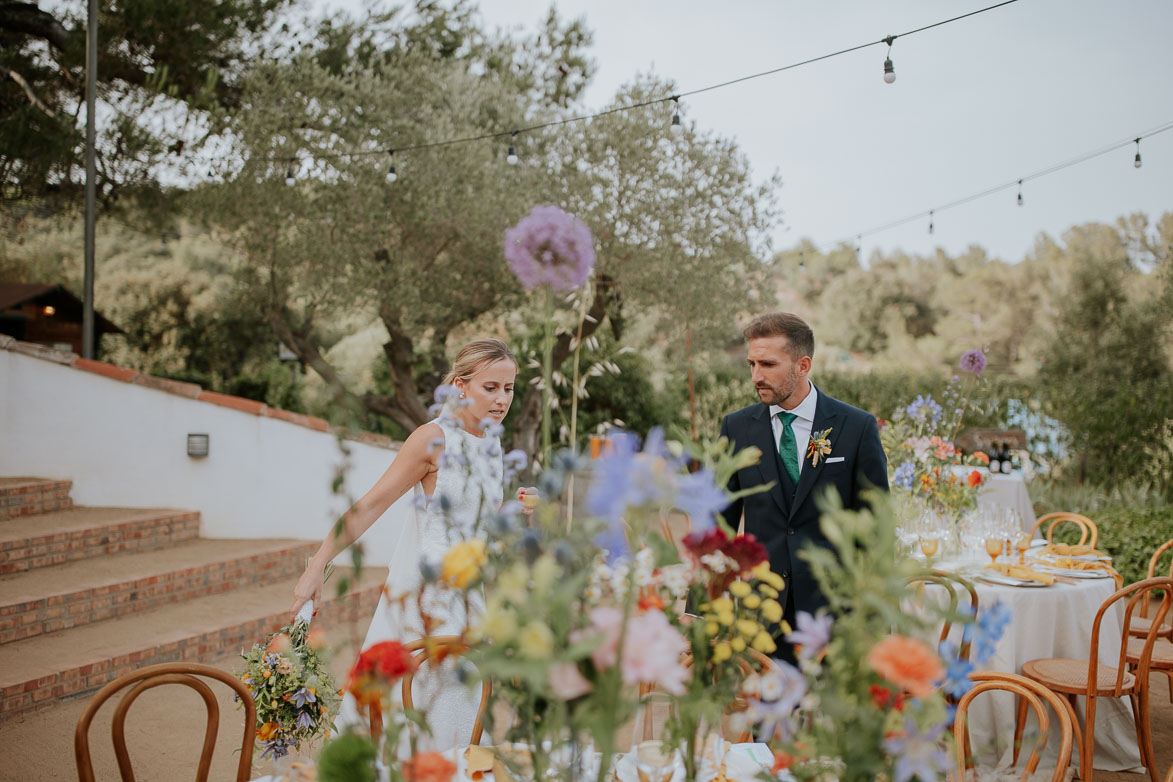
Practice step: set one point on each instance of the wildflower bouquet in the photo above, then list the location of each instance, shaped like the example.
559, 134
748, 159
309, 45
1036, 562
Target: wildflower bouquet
295, 695
923, 464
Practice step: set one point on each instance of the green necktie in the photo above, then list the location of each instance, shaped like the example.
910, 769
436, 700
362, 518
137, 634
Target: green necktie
788, 446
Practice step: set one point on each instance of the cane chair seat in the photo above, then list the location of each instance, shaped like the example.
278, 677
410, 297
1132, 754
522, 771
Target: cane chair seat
1162, 653
1070, 676
1141, 624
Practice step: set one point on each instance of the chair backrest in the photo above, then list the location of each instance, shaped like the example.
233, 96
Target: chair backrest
1089, 534
1133, 593
434, 649
955, 586
154, 676
1152, 571
1039, 697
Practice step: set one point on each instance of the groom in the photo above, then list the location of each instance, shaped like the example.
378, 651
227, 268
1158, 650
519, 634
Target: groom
849, 460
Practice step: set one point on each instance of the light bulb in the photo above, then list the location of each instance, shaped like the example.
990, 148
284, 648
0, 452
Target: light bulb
511, 158
676, 127
289, 178
391, 175
1136, 160
1020, 192
889, 71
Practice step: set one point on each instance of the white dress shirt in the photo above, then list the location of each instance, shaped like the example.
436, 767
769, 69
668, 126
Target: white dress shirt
802, 425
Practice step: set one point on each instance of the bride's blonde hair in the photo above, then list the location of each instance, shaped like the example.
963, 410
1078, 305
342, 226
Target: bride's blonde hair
475, 356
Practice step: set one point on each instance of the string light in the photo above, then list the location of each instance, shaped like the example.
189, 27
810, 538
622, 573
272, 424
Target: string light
512, 158
1020, 192
391, 175
889, 68
290, 180
676, 127
930, 221
1136, 160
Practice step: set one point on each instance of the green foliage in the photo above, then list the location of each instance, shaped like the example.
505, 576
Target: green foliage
348, 758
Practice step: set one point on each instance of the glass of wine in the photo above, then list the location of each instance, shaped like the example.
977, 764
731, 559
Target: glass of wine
928, 546
994, 548
1023, 545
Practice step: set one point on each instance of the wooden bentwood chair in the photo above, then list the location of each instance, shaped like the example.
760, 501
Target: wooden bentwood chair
1092, 680
1141, 624
154, 676
955, 586
425, 650
1037, 697
1088, 532
1162, 659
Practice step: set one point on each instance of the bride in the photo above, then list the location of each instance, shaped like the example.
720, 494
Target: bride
454, 465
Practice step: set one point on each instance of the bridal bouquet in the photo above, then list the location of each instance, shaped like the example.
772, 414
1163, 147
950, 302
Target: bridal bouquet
295, 695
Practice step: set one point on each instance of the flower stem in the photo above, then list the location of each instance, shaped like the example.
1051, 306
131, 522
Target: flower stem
547, 375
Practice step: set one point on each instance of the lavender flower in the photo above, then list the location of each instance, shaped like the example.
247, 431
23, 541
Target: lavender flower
924, 410
550, 246
813, 634
514, 461
904, 476
302, 697
973, 361
304, 720
919, 755
701, 498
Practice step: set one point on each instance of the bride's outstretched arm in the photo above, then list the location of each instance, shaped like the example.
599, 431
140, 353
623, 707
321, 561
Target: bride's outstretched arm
411, 465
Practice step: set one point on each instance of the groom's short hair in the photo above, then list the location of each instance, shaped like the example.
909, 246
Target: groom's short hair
799, 337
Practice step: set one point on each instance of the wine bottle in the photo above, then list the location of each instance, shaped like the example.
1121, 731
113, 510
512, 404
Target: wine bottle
995, 458
1006, 457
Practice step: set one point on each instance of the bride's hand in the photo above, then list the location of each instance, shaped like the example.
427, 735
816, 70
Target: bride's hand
309, 587
528, 496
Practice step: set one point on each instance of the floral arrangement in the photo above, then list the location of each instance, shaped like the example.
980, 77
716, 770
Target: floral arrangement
870, 697
295, 695
924, 466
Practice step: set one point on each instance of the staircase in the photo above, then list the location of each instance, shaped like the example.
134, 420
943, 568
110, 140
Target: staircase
88, 594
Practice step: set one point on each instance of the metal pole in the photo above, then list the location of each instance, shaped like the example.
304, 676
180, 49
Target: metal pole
87, 318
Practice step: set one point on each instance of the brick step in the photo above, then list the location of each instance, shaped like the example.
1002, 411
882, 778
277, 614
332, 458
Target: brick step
46, 600
31, 542
25, 496
37, 673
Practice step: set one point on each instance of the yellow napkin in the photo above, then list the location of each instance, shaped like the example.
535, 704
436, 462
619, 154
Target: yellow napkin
1065, 550
478, 761
1022, 571
1067, 563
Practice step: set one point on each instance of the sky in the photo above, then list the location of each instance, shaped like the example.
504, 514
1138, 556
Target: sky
976, 103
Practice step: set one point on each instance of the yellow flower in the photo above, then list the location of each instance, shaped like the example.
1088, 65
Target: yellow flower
722, 651
772, 610
500, 623
268, 731
739, 589
725, 618
738, 644
711, 628
462, 564
545, 572
536, 641
722, 604
767, 590
514, 583
752, 602
764, 643
763, 573
748, 627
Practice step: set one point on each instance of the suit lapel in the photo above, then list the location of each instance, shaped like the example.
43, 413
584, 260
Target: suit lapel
810, 473
762, 435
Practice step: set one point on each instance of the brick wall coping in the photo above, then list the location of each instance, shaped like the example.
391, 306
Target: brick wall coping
191, 391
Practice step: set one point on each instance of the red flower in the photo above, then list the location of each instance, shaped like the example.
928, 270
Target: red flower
377, 669
880, 695
975, 478
428, 767
700, 545
745, 551
649, 599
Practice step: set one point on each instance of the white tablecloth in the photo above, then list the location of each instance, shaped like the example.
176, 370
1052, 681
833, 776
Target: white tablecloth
1053, 621
1008, 491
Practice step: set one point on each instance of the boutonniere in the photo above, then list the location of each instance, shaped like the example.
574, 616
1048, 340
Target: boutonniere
819, 446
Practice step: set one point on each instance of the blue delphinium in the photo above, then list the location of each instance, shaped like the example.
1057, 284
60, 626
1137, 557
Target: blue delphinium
924, 410
904, 475
918, 755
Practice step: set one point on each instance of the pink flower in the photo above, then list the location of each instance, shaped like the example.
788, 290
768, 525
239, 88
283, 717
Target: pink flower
651, 649
567, 681
550, 246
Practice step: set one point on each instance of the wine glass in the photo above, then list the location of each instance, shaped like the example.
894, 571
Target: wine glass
994, 548
928, 546
654, 763
1023, 545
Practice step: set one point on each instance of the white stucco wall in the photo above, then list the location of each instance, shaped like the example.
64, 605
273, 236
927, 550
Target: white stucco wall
126, 445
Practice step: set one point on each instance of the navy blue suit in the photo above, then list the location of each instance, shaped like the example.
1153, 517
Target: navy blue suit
786, 519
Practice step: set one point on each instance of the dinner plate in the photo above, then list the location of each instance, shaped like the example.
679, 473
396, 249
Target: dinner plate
1058, 571
998, 578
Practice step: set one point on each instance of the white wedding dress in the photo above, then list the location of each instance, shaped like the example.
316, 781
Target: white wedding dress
469, 486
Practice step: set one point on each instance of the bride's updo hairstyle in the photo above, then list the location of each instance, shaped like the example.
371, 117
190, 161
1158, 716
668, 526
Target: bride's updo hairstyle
475, 356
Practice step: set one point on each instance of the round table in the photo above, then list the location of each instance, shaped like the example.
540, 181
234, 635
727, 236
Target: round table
1052, 621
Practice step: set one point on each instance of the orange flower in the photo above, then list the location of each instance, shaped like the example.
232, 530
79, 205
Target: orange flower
981, 457
428, 767
280, 643
650, 599
782, 761
268, 731
907, 663
975, 478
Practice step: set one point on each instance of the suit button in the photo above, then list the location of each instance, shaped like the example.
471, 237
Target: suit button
785, 574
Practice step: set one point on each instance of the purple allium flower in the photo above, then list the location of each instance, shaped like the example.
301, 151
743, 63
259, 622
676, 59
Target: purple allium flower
919, 755
813, 633
973, 361
550, 246
904, 475
701, 498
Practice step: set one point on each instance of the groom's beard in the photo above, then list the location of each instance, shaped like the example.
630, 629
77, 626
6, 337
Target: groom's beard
776, 395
